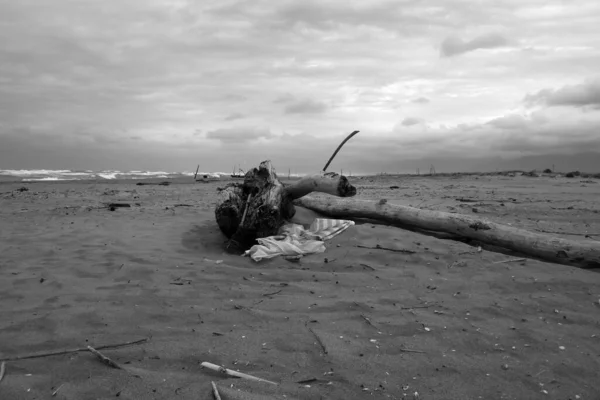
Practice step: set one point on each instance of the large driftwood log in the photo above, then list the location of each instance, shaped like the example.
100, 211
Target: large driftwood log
260, 205
580, 253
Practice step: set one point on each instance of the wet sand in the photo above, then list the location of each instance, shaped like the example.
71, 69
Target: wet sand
446, 322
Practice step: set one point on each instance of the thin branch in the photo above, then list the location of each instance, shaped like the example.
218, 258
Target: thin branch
338, 149
273, 293
2, 370
233, 373
378, 247
319, 341
105, 360
215, 391
68, 351
511, 260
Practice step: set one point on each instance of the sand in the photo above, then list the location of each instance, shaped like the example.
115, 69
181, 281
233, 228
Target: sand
337, 325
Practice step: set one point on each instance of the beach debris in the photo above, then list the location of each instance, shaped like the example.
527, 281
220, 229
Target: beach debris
2, 370
379, 247
215, 391
272, 293
105, 360
367, 320
114, 206
235, 374
259, 206
319, 341
580, 253
510, 260
166, 183
54, 393
68, 351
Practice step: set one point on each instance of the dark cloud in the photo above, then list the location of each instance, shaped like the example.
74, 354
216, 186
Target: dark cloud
305, 106
581, 95
420, 100
453, 45
238, 135
409, 121
233, 116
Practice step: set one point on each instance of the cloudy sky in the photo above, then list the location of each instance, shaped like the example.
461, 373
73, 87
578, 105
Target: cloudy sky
166, 85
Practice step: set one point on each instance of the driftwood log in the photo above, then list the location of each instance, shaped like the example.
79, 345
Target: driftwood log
580, 253
260, 205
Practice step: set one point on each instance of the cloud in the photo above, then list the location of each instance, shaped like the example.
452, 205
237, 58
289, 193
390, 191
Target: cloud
305, 106
409, 121
238, 135
159, 70
580, 95
512, 121
233, 116
453, 46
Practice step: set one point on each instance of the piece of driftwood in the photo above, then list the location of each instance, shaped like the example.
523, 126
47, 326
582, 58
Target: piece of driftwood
215, 391
105, 360
69, 351
580, 253
260, 205
2, 370
233, 373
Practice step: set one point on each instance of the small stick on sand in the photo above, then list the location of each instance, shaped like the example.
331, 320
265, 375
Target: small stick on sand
511, 260
56, 391
2, 370
104, 359
323, 348
368, 321
405, 350
215, 391
273, 293
378, 247
233, 373
68, 351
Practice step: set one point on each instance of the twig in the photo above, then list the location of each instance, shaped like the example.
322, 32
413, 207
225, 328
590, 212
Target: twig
405, 350
367, 266
104, 359
319, 341
233, 373
246, 209
215, 391
509, 261
410, 308
569, 233
338, 149
61, 352
274, 293
368, 321
57, 389
378, 247
2, 370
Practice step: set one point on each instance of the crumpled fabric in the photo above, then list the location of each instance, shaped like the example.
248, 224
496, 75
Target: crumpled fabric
294, 240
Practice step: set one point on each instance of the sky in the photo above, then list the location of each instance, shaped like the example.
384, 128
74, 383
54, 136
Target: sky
168, 85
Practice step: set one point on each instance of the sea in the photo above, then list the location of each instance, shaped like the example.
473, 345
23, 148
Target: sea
35, 175
39, 175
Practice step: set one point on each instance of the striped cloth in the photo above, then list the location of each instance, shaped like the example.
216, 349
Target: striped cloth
294, 240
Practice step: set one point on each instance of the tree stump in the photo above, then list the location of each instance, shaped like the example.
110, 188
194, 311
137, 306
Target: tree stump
260, 205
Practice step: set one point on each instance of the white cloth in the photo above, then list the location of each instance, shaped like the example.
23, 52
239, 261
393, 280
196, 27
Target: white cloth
294, 240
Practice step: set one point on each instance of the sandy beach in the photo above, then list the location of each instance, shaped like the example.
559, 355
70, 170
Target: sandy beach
356, 322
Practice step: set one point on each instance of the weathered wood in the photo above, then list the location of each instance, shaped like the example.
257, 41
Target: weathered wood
580, 253
260, 205
330, 183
